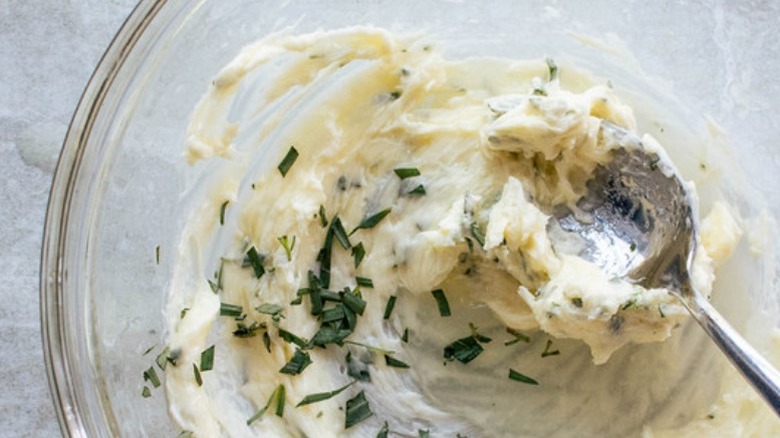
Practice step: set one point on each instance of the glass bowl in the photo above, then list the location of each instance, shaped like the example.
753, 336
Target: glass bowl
119, 198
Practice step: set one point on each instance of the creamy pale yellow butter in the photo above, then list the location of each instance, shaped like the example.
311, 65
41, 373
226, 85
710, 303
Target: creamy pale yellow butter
496, 143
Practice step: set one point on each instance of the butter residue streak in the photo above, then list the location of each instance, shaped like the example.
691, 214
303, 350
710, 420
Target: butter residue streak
497, 143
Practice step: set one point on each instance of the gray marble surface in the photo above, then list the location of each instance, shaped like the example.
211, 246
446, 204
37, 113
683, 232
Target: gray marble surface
48, 49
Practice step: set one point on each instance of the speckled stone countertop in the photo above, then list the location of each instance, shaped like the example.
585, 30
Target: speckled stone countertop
48, 49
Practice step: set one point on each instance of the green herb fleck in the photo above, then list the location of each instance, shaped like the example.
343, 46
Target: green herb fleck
383, 431
183, 312
372, 221
333, 314
477, 233
552, 70
518, 337
148, 350
157, 254
274, 310
463, 350
288, 161
406, 172
315, 294
288, 245
222, 209
577, 302
146, 392
185, 434
364, 282
297, 363
267, 341
256, 261
522, 378
350, 319
629, 304
291, 338
371, 348
198, 378
278, 398
418, 191
423, 433
357, 410
389, 307
475, 334
441, 301
354, 302
340, 233
322, 396
150, 375
216, 285
324, 257
226, 309
207, 359
395, 363
358, 252
405, 336
547, 351
329, 335
248, 331
163, 359
323, 217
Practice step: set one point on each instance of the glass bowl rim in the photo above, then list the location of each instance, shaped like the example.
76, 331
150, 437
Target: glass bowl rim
55, 333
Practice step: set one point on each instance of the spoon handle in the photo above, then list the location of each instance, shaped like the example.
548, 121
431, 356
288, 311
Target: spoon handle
759, 372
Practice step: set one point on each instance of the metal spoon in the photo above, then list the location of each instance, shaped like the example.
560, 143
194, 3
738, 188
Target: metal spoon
637, 220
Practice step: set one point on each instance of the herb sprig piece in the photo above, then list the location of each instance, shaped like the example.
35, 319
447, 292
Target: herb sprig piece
357, 410
371, 221
216, 284
358, 252
522, 378
150, 375
517, 337
552, 70
406, 172
418, 191
226, 309
207, 359
389, 307
278, 398
288, 244
478, 234
297, 363
464, 350
222, 209
255, 260
395, 363
547, 351
340, 233
288, 161
248, 331
198, 378
441, 301
322, 396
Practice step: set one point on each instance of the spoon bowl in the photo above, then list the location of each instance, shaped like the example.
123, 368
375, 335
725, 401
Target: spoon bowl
637, 221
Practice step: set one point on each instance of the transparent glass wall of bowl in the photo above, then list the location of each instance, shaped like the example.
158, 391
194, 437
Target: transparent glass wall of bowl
130, 196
